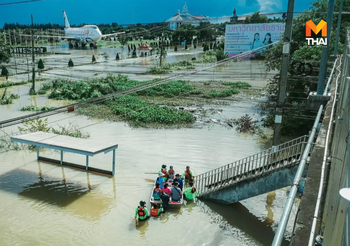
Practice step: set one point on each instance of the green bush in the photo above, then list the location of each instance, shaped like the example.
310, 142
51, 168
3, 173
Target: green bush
238, 84
225, 93
139, 113
70, 63
170, 89
41, 64
4, 71
159, 70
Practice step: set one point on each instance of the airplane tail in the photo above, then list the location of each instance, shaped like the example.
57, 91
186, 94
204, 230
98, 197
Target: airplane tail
66, 23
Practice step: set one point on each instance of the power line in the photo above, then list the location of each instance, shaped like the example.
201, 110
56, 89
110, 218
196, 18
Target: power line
13, 3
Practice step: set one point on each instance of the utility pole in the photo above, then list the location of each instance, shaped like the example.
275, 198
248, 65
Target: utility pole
284, 74
32, 90
161, 48
325, 48
338, 28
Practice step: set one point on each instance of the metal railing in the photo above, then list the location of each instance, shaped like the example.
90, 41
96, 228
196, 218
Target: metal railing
285, 155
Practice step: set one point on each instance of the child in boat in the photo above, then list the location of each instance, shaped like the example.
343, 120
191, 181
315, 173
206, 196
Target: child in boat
157, 192
142, 212
190, 192
156, 210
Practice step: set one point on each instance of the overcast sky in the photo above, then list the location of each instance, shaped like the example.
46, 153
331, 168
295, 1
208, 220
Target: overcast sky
135, 11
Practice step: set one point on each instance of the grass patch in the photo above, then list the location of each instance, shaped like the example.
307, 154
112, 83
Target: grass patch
34, 108
238, 84
225, 93
159, 70
139, 113
9, 84
170, 89
167, 68
83, 90
6, 98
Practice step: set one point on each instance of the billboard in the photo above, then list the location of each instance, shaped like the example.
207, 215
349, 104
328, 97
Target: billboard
240, 38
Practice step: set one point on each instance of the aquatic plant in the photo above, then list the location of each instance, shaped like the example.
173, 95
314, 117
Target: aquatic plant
170, 89
246, 124
225, 93
237, 84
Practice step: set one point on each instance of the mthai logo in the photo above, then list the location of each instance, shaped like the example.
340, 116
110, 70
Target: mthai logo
322, 25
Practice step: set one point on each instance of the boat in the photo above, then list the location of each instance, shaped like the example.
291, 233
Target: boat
172, 204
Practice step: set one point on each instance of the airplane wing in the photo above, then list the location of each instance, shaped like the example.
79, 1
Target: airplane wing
112, 34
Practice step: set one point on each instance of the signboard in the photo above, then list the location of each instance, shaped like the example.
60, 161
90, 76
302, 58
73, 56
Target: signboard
183, 43
240, 38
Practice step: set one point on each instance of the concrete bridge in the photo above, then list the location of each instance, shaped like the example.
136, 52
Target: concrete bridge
266, 171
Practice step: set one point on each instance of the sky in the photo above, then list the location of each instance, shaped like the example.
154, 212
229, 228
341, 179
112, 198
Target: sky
132, 12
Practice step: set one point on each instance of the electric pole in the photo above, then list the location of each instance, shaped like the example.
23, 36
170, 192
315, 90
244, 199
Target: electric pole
284, 74
32, 90
325, 48
338, 28
161, 48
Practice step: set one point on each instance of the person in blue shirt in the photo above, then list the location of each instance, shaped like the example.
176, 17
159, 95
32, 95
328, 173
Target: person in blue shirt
160, 181
179, 180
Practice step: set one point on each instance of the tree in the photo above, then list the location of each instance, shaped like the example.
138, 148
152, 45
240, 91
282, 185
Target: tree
211, 46
117, 57
4, 72
70, 63
41, 64
93, 59
134, 55
129, 49
184, 33
206, 30
215, 46
5, 50
220, 55
186, 47
256, 18
195, 46
175, 49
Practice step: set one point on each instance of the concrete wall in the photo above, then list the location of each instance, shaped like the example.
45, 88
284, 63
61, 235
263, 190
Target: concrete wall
255, 187
332, 213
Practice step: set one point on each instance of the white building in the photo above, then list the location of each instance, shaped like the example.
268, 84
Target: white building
185, 18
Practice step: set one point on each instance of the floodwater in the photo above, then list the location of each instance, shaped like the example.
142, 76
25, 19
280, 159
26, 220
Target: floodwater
45, 204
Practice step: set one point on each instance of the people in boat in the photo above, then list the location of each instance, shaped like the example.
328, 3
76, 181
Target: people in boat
176, 193
188, 175
142, 212
171, 173
179, 180
190, 192
165, 196
160, 181
156, 210
157, 192
163, 172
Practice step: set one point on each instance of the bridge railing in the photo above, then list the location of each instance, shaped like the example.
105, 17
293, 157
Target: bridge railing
253, 166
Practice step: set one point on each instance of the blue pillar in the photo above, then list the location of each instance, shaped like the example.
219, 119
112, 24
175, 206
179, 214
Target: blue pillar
87, 162
113, 169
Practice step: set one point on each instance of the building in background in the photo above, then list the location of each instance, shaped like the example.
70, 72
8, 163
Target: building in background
185, 18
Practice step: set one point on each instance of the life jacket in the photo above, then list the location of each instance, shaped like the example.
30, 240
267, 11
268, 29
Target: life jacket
141, 212
165, 173
154, 212
188, 174
171, 171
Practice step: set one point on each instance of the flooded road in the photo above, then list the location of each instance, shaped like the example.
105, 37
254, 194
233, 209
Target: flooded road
46, 204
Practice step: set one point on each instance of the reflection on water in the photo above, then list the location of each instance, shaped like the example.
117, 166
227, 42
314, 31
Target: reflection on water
271, 196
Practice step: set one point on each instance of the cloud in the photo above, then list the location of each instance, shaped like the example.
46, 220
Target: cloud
267, 6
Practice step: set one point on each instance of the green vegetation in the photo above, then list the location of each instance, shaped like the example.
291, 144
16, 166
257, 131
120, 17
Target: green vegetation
225, 93
83, 90
41, 64
34, 108
4, 72
7, 98
167, 68
139, 113
238, 84
170, 89
70, 63
5, 50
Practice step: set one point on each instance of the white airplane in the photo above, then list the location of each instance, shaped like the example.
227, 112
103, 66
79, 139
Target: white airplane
88, 34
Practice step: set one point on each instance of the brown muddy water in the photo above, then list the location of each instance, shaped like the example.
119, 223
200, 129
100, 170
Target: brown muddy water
45, 204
